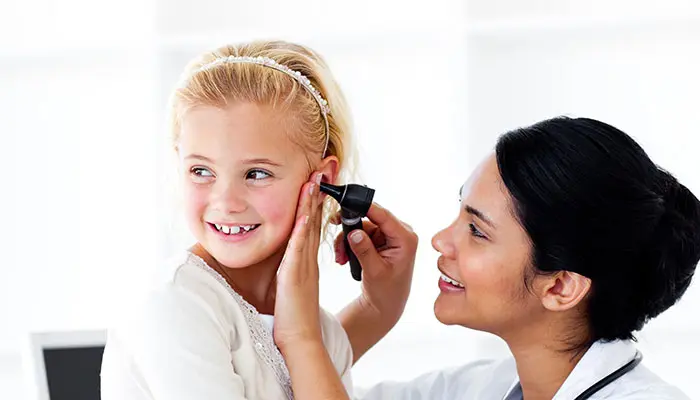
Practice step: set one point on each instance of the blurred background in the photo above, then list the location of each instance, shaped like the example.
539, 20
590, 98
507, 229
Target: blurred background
87, 205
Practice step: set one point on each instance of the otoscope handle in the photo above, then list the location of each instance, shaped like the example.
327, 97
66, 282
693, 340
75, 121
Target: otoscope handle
355, 268
354, 201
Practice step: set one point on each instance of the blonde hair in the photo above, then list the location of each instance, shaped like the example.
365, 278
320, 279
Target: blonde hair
245, 82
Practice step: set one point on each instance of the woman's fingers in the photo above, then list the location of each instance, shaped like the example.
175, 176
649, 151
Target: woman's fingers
335, 219
376, 235
391, 226
341, 256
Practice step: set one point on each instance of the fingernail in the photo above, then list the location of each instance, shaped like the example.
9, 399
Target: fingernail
356, 237
318, 178
306, 219
311, 188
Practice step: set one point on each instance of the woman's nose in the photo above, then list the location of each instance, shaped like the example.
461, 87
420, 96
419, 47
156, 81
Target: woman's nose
443, 244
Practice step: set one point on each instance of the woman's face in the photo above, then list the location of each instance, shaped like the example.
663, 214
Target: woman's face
484, 255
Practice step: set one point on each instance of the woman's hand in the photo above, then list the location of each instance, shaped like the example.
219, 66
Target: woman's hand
387, 252
297, 312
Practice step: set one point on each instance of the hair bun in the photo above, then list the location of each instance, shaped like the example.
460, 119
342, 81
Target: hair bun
673, 250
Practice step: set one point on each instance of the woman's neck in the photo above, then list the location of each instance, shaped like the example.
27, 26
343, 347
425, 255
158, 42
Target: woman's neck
543, 365
256, 283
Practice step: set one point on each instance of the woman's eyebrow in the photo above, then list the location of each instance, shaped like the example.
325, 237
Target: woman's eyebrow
478, 214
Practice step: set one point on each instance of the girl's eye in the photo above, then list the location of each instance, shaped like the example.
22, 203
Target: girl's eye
257, 174
201, 172
476, 232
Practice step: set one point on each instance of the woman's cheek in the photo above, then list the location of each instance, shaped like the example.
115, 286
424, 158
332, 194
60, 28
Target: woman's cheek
480, 271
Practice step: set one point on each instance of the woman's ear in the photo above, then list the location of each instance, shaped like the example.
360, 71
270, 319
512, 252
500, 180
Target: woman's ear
564, 290
329, 167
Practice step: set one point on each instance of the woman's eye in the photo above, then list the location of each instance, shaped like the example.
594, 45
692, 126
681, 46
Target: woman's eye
257, 174
201, 172
476, 232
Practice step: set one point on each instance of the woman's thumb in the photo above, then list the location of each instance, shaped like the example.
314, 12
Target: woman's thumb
364, 250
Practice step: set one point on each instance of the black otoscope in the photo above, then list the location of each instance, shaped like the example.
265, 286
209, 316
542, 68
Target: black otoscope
354, 201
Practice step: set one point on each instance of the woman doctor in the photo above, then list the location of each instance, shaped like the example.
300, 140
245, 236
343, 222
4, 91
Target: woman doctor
568, 239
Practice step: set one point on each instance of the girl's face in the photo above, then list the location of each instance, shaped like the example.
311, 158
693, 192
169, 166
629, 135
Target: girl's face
241, 177
485, 253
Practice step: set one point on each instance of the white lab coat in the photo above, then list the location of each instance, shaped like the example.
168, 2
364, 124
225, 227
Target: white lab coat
498, 380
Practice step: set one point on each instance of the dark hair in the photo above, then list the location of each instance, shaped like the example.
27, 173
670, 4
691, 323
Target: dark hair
593, 203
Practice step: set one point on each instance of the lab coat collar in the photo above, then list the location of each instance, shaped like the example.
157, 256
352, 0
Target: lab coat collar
601, 359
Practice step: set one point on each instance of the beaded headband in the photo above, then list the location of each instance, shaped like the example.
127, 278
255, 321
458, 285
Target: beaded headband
298, 76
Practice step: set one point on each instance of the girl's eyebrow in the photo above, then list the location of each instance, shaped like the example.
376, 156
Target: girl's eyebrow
199, 157
261, 161
249, 161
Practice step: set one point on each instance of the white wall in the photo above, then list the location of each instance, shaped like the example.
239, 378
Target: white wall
86, 211
78, 187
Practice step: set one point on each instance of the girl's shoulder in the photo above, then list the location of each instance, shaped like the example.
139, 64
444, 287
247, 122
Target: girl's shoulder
187, 273
332, 330
338, 345
182, 289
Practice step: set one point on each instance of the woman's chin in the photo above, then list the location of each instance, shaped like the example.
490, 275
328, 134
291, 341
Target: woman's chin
446, 313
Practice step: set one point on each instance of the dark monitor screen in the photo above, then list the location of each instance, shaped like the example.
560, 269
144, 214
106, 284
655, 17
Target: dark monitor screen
73, 373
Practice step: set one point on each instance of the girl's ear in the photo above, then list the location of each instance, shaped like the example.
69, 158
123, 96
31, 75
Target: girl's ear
329, 167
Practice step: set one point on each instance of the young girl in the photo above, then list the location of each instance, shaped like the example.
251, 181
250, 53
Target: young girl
250, 124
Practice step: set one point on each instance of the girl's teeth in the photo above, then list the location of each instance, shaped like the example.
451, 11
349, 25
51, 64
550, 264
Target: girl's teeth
233, 230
